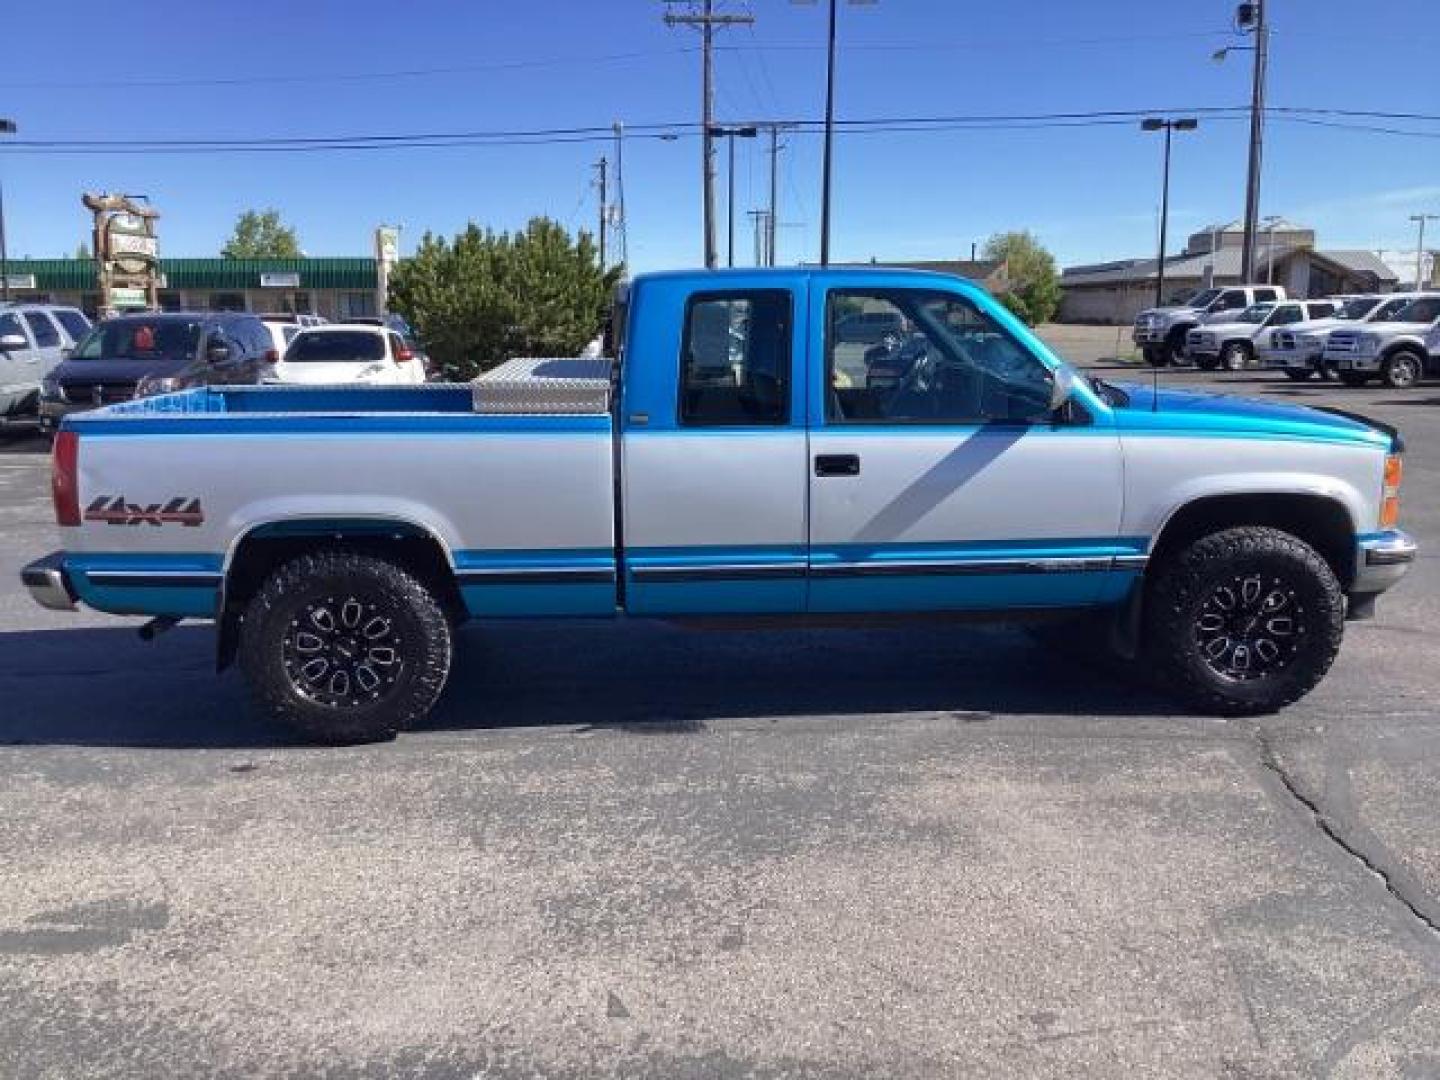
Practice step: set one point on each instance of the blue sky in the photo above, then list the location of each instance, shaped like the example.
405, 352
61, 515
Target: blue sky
1090, 193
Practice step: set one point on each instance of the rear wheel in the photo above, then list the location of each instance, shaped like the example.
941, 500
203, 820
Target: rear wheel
1156, 356
1235, 356
1353, 379
345, 648
1245, 621
1402, 370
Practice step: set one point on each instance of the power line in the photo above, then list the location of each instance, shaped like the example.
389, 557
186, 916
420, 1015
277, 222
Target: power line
674, 131
342, 76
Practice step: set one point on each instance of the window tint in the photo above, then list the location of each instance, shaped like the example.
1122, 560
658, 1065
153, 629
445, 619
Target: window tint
1322, 310
1286, 314
10, 324
335, 347
140, 339
1231, 299
735, 359
44, 330
1263, 295
75, 324
948, 362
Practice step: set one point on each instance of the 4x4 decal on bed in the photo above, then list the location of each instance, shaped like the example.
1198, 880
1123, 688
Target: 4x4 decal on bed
114, 510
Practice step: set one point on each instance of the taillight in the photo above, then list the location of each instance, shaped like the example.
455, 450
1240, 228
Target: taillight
1390, 495
272, 356
403, 356
64, 487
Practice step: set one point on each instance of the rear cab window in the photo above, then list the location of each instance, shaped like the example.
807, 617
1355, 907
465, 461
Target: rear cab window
735, 359
75, 324
10, 324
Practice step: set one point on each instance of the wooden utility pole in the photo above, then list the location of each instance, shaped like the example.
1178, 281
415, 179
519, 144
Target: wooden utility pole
707, 20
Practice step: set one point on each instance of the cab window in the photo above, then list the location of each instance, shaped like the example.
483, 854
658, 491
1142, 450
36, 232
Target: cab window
44, 330
1266, 295
1286, 314
1231, 300
944, 362
735, 359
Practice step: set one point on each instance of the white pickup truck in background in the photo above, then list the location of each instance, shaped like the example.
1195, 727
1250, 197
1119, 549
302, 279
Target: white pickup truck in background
1233, 344
1399, 352
1297, 350
1160, 332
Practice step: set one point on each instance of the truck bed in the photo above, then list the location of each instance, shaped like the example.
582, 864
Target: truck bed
522, 503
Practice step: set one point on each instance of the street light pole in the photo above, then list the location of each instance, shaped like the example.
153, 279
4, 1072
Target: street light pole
1420, 219
731, 134
1155, 123
7, 127
829, 141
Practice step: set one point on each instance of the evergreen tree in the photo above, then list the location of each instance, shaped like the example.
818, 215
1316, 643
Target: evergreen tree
483, 297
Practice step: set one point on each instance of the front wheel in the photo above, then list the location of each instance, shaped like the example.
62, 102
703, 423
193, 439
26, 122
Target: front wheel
1156, 356
1235, 356
1245, 621
345, 648
1402, 370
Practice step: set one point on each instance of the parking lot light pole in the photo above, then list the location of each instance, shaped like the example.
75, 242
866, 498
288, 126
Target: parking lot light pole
1420, 219
7, 127
731, 134
1156, 123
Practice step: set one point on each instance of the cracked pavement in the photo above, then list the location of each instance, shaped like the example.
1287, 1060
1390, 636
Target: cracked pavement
640, 851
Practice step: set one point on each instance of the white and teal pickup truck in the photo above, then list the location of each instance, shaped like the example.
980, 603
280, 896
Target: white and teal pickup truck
736, 459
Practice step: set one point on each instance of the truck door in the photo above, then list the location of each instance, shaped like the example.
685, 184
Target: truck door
939, 478
714, 449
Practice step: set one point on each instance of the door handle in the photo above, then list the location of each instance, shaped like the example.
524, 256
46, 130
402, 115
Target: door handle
837, 464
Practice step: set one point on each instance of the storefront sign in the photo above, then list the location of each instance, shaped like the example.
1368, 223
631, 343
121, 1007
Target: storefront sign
280, 281
20, 281
128, 297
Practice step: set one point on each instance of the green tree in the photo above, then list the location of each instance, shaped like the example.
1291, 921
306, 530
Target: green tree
1034, 282
483, 297
260, 234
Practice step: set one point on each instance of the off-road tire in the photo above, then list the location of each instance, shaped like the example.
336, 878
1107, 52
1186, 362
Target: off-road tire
1235, 356
1402, 369
1353, 379
285, 612
1182, 596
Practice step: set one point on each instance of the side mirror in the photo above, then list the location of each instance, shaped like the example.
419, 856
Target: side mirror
13, 342
217, 353
1062, 388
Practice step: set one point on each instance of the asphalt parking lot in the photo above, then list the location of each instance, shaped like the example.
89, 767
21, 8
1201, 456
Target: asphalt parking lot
641, 851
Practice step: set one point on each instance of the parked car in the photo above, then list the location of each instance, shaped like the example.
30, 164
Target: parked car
407, 334
1233, 344
870, 328
284, 326
1399, 352
1161, 332
1227, 540
348, 353
33, 339
156, 353
1298, 350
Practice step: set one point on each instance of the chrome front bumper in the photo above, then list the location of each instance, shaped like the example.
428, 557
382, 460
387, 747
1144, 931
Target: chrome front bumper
48, 583
1382, 560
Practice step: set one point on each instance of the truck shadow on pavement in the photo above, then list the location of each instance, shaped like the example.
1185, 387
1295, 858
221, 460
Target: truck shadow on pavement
104, 687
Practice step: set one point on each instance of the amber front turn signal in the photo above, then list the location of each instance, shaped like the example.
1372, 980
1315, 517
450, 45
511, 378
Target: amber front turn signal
1390, 496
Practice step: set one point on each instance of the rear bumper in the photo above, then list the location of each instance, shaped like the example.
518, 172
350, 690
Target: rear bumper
1382, 560
48, 583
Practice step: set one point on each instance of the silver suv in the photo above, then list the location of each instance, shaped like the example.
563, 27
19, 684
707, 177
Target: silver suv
33, 339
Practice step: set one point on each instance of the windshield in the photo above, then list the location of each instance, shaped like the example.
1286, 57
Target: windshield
1426, 309
1357, 309
1203, 297
140, 339
336, 347
1255, 313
